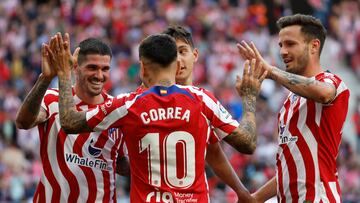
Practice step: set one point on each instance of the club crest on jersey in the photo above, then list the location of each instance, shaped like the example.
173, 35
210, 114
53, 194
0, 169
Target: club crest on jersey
113, 134
94, 151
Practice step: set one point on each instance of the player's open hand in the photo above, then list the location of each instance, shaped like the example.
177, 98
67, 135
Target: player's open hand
46, 63
61, 55
249, 52
253, 75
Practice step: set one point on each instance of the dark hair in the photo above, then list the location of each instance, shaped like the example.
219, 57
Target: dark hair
93, 46
179, 32
159, 48
310, 26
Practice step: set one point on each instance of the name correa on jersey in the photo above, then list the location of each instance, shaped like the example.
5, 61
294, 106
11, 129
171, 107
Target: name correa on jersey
166, 131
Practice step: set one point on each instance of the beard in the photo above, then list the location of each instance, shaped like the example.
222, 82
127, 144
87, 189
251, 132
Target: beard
301, 62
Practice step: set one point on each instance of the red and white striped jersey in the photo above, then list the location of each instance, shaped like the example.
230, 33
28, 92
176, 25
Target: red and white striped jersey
166, 130
76, 167
309, 138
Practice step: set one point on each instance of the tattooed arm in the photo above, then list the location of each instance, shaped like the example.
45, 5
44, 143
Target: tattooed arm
72, 121
318, 91
30, 113
244, 137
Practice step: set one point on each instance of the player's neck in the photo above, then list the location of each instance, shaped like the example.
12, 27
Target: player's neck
88, 98
312, 69
187, 81
162, 78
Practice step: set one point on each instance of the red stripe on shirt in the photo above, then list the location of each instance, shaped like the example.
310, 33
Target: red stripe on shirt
304, 150
70, 177
280, 181
88, 173
114, 153
45, 159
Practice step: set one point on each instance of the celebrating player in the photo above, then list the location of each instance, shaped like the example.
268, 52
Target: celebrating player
169, 124
76, 167
311, 120
215, 157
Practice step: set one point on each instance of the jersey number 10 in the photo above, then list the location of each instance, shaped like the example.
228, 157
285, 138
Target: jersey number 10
151, 143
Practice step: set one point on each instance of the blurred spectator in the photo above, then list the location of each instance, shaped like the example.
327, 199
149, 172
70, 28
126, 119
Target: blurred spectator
356, 120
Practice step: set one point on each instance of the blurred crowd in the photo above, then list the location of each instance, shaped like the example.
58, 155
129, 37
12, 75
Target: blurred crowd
216, 26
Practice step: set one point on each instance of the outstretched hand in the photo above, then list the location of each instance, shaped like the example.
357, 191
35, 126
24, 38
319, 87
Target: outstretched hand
46, 63
249, 52
63, 61
253, 75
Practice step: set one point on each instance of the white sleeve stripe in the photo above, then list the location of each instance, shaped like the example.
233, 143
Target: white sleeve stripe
111, 118
115, 115
341, 88
92, 113
207, 100
122, 95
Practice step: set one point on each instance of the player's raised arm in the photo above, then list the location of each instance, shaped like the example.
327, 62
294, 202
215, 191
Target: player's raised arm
307, 87
248, 87
72, 121
30, 112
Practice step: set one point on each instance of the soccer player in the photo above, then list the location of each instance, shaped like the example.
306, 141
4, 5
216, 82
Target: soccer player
215, 157
311, 120
76, 167
167, 146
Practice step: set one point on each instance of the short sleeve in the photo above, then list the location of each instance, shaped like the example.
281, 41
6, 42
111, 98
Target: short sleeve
220, 119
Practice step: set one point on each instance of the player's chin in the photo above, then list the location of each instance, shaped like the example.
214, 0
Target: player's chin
96, 91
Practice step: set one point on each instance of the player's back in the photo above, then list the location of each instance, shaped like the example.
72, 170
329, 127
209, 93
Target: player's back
166, 133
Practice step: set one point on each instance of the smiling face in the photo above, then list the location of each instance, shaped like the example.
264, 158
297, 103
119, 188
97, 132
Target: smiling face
294, 49
93, 73
186, 57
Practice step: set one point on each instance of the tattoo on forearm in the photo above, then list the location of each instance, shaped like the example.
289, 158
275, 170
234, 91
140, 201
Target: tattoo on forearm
248, 128
68, 114
294, 79
33, 99
249, 103
245, 137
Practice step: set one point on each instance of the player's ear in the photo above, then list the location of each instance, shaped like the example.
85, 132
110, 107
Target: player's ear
196, 54
178, 66
141, 72
315, 46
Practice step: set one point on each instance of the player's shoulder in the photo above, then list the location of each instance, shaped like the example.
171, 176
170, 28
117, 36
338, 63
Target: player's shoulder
202, 92
332, 78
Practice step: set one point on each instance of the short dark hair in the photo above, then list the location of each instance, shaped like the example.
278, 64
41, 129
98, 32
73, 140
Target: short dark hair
93, 46
310, 26
179, 33
158, 48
